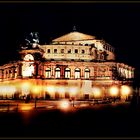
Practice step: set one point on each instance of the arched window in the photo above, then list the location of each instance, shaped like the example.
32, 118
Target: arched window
120, 71
27, 69
83, 51
48, 73
49, 50
15, 73
67, 73
77, 73
57, 73
76, 50
62, 50
69, 51
126, 73
130, 74
87, 73
55, 50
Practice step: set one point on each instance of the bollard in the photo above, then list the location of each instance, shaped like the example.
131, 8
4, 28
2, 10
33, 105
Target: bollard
35, 102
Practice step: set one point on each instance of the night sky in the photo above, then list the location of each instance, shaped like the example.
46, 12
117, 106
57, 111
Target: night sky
116, 23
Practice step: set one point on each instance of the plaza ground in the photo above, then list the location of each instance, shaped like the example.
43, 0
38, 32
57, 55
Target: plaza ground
108, 120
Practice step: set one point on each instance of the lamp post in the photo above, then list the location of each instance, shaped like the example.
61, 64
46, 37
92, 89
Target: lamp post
73, 101
36, 90
35, 101
73, 91
97, 92
26, 90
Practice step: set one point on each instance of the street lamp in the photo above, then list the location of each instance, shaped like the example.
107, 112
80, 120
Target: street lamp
114, 91
125, 90
64, 104
73, 91
96, 92
25, 87
61, 90
36, 90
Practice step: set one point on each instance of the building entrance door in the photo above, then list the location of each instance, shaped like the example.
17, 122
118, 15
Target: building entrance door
86, 96
67, 96
57, 95
47, 96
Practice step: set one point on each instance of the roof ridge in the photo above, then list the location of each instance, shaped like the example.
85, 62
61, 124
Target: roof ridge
74, 36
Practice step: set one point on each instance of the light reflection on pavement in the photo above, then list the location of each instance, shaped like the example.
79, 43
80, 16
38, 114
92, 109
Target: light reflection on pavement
19, 106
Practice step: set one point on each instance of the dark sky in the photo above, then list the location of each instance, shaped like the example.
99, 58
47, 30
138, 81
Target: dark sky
116, 23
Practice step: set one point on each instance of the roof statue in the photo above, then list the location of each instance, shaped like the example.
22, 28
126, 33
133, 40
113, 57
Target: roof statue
31, 40
74, 28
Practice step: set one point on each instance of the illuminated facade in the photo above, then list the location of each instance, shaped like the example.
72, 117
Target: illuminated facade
74, 64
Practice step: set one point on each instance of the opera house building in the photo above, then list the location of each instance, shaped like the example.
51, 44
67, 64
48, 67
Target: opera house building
73, 65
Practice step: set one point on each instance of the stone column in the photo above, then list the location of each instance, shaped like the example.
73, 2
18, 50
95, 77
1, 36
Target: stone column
13, 72
36, 70
19, 74
2, 74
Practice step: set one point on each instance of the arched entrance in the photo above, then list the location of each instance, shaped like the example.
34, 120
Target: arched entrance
86, 97
67, 95
57, 95
47, 96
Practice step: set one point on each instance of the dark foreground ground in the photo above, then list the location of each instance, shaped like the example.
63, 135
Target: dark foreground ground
108, 121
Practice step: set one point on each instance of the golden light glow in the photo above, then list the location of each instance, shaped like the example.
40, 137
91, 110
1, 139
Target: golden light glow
26, 85
26, 107
73, 90
114, 91
61, 89
64, 105
7, 89
96, 91
125, 90
36, 89
27, 69
50, 89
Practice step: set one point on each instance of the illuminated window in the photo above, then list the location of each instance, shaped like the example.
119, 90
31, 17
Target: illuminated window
76, 50
48, 73
69, 51
83, 51
101, 56
28, 57
57, 73
129, 74
15, 73
55, 50
77, 73
67, 73
106, 47
27, 69
62, 50
126, 73
49, 50
87, 72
